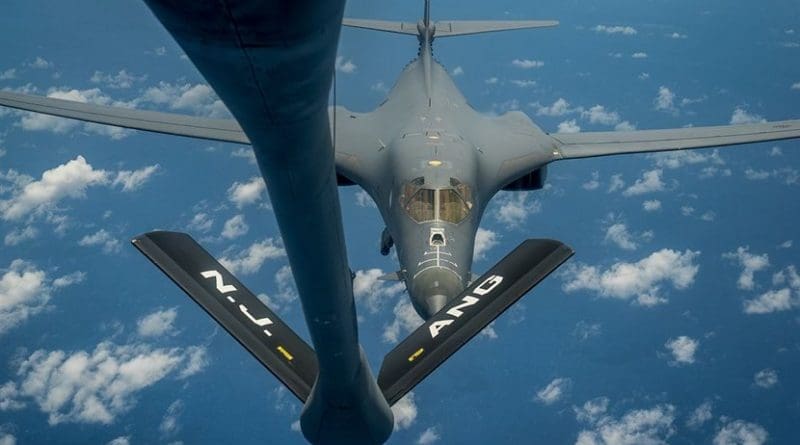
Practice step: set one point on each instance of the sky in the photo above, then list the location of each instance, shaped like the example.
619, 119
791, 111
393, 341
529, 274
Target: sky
675, 322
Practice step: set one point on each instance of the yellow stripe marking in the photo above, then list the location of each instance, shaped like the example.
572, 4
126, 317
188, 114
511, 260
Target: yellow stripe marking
285, 353
416, 355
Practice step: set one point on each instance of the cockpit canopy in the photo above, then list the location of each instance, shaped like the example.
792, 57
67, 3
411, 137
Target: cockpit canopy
445, 204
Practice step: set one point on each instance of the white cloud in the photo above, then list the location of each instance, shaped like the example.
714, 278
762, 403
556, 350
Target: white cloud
665, 101
373, 292
515, 207
364, 200
624, 30
592, 410
457, 71
250, 260
69, 279
24, 292
625, 126
429, 436
245, 153
170, 423
650, 182
700, 415
585, 330
554, 391
405, 412
9, 439
485, 240
616, 183
677, 35
770, 302
679, 158
639, 55
101, 238
559, 108
637, 427
766, 378
527, 63
20, 235
740, 432
740, 116
68, 180
201, 222
776, 151
651, 205
157, 324
569, 127
599, 115
121, 440
750, 265
618, 234
235, 227
786, 244
687, 210
405, 320
121, 80
134, 180
594, 183
8, 74
756, 175
491, 81
245, 193
523, 83
796, 86
199, 99
287, 291
40, 63
640, 281
97, 386
345, 66
683, 349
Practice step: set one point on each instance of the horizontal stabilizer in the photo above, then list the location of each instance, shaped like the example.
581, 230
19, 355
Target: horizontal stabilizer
225, 130
466, 27
234, 307
467, 314
382, 25
450, 28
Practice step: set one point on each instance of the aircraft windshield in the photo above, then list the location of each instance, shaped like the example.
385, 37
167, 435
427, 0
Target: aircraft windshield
425, 204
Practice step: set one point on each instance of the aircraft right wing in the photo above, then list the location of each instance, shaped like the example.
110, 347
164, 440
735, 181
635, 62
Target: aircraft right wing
591, 144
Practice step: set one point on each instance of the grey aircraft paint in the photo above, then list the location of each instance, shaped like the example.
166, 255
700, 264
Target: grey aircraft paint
430, 162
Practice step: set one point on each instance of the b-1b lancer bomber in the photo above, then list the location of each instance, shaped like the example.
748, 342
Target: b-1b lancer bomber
429, 161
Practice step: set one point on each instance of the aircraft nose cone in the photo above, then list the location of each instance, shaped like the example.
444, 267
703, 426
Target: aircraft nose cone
432, 289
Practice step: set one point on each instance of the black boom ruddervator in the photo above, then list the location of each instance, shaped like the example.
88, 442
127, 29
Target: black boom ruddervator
294, 362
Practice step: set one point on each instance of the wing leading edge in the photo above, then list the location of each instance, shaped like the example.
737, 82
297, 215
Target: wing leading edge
587, 145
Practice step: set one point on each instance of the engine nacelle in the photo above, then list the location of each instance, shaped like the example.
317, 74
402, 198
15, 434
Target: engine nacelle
530, 181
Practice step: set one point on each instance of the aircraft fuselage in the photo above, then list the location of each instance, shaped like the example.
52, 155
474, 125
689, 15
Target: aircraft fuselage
433, 197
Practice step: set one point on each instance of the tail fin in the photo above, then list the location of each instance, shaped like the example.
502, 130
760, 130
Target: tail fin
234, 307
450, 28
464, 317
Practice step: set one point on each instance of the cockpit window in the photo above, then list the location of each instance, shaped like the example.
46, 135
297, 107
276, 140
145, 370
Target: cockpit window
421, 205
452, 207
427, 204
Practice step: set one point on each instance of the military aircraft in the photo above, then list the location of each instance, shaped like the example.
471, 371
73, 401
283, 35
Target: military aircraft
429, 161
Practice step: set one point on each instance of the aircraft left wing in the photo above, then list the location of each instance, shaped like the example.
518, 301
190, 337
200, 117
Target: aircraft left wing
586, 145
225, 130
